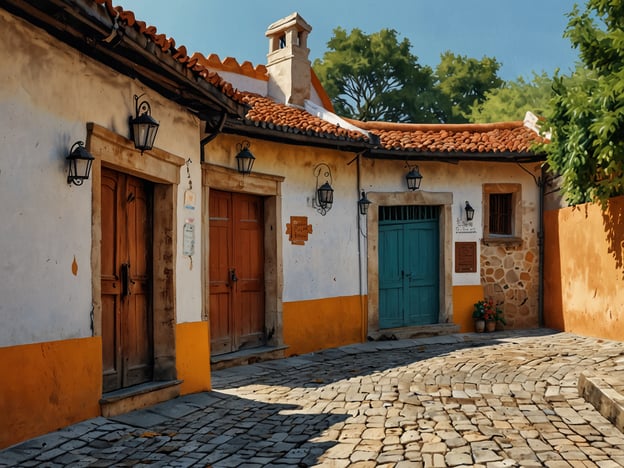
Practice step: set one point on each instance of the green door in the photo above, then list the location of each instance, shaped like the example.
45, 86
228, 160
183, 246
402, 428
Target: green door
408, 266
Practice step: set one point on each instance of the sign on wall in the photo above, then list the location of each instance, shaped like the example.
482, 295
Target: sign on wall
465, 257
298, 230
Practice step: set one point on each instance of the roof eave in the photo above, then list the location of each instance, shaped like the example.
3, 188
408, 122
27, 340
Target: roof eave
400, 155
293, 136
83, 24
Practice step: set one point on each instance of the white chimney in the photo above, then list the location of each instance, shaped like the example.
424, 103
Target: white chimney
288, 64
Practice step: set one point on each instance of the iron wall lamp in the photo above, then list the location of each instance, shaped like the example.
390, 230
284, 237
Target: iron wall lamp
363, 204
324, 195
79, 161
413, 178
469, 212
244, 158
143, 126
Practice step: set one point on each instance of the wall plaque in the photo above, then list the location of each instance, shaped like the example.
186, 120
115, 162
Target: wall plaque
465, 257
298, 230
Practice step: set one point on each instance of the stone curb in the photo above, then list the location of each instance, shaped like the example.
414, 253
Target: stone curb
608, 401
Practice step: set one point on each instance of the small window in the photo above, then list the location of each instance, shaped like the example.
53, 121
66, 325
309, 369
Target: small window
502, 213
282, 42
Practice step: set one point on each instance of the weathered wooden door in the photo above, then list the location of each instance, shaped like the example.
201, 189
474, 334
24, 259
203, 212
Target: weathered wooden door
236, 270
408, 266
127, 337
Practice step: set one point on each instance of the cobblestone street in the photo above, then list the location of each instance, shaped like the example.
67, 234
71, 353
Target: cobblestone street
493, 400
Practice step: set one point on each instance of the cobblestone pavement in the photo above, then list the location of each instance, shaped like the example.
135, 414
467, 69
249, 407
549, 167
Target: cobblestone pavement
492, 400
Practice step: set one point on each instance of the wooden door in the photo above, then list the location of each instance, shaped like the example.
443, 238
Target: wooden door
236, 270
408, 266
127, 337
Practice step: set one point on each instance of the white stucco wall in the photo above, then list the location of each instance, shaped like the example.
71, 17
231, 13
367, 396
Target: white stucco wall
327, 265
48, 93
465, 181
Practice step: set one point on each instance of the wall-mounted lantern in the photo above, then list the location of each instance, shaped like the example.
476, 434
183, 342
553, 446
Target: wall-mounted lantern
324, 194
469, 212
244, 158
143, 127
79, 161
413, 178
363, 204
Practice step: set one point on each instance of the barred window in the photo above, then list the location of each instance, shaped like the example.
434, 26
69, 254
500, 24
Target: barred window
501, 214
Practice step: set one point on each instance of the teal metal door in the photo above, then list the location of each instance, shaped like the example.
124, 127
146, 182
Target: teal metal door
408, 266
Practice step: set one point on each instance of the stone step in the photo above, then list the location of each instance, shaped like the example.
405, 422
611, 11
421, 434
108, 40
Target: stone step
605, 393
138, 396
247, 356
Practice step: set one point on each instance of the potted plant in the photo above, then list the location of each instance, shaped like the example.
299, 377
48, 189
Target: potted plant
486, 315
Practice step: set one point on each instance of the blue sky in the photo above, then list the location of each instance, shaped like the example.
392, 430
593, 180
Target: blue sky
524, 35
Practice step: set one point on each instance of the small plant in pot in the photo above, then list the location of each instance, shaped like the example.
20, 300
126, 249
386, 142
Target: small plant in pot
486, 315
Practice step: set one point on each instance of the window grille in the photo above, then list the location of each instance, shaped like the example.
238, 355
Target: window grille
501, 214
408, 213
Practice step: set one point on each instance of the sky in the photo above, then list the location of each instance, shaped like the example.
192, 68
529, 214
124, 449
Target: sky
525, 36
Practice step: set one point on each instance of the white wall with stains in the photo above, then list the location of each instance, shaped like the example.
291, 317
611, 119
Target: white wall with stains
48, 93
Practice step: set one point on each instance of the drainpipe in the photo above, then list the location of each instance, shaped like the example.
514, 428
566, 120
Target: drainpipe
541, 183
359, 251
212, 129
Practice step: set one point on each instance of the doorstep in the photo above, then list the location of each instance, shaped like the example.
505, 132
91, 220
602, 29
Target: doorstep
136, 397
247, 356
421, 331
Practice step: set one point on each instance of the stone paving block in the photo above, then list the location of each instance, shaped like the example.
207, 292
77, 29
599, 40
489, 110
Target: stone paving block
453, 394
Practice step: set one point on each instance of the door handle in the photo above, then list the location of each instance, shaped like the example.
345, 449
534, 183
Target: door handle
233, 277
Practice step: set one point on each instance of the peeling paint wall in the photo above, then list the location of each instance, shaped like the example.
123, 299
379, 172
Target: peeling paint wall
48, 93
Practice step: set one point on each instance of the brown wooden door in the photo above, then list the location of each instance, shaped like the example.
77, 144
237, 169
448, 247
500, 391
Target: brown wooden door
127, 338
236, 272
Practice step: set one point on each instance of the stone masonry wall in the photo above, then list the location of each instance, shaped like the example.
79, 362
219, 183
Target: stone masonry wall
509, 274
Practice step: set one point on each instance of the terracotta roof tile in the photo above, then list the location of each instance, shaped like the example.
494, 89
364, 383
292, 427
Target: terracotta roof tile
508, 137
502, 137
198, 63
267, 113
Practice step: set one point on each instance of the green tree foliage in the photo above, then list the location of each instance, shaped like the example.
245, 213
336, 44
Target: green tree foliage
374, 77
463, 83
587, 118
514, 99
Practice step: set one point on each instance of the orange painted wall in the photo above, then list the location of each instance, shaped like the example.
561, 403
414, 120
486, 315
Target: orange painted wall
322, 323
464, 298
584, 270
193, 356
47, 386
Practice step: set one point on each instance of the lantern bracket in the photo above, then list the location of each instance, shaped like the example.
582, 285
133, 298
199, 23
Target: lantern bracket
324, 193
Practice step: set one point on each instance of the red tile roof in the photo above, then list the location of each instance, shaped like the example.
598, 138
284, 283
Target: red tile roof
502, 137
507, 137
265, 113
197, 62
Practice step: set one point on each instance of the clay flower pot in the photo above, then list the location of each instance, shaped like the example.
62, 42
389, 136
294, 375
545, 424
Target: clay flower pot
479, 325
490, 325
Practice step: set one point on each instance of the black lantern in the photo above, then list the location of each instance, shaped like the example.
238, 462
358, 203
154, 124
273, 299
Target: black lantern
413, 178
244, 158
469, 212
79, 161
363, 204
324, 196
143, 126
